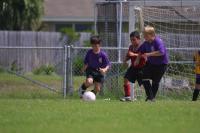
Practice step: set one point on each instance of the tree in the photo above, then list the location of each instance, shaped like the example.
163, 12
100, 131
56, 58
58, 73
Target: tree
69, 35
20, 14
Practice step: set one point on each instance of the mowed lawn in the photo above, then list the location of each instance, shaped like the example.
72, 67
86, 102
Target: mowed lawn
27, 108
101, 116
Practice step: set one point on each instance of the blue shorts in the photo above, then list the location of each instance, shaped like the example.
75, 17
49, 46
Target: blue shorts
197, 78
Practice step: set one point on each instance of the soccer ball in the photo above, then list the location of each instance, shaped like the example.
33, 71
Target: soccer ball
89, 96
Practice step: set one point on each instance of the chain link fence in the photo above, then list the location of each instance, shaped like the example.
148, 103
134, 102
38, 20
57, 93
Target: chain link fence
113, 85
31, 71
39, 71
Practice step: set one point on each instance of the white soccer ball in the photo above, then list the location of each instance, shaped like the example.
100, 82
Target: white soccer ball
89, 96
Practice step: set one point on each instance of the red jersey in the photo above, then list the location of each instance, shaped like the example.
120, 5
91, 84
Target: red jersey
133, 58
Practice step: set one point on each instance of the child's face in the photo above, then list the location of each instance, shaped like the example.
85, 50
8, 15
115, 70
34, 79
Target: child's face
148, 37
96, 47
135, 41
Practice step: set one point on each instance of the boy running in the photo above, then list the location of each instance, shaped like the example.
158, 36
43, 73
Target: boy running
96, 64
133, 71
157, 61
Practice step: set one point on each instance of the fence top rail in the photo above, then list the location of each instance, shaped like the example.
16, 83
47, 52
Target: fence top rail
86, 48
126, 48
21, 47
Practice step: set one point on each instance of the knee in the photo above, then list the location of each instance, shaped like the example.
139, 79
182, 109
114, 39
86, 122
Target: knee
89, 81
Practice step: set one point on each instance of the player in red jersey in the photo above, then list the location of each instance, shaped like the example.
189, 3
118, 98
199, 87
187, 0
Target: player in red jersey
136, 65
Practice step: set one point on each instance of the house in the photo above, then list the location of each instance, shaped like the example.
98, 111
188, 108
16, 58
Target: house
77, 14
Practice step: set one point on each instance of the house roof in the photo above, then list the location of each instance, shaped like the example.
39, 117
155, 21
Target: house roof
68, 10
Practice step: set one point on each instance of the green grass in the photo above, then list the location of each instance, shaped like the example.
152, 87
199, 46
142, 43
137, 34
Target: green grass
12, 86
76, 116
25, 107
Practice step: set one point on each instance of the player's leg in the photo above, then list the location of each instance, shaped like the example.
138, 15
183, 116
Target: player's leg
97, 87
148, 89
98, 83
197, 88
127, 91
145, 75
159, 70
139, 80
88, 82
127, 88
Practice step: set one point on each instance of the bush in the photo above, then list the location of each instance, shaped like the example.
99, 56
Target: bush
77, 65
15, 67
72, 36
44, 69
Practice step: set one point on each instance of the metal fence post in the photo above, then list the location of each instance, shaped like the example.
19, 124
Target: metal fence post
65, 71
70, 77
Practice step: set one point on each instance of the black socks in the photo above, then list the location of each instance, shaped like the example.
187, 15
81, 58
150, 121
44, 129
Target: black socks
195, 94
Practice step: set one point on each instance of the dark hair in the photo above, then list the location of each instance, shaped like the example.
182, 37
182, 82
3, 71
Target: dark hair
135, 34
95, 39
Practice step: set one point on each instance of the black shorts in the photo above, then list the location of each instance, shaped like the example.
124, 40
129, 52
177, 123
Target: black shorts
95, 74
132, 74
153, 72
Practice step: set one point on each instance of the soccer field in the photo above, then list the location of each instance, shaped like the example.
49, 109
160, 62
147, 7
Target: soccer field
76, 116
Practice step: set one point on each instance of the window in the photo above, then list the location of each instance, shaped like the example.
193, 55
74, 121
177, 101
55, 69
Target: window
83, 27
61, 26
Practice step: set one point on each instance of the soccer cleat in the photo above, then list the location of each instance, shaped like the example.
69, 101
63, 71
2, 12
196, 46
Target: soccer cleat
126, 99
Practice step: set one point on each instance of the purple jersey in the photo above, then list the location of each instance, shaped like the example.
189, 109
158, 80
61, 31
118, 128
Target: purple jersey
96, 61
156, 45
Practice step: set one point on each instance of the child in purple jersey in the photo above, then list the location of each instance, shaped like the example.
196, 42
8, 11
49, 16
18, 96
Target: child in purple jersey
157, 61
96, 64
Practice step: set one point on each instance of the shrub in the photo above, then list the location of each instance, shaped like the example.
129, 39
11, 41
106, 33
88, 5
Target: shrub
77, 65
44, 69
72, 36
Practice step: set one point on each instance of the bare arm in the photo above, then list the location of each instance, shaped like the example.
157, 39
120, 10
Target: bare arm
132, 53
84, 68
154, 53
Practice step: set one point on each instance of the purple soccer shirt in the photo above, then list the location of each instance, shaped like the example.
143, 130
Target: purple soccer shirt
96, 61
156, 45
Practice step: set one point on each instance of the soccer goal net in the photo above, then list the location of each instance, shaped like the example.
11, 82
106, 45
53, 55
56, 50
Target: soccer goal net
179, 27
177, 24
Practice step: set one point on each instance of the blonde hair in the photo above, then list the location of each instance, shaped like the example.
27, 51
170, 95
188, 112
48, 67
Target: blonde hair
149, 30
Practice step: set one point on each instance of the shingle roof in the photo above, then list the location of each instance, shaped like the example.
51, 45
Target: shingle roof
69, 10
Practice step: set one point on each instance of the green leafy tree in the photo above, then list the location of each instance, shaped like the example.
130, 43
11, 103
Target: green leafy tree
20, 14
71, 35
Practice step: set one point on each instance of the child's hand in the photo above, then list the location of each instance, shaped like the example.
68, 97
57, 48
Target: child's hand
102, 71
130, 53
140, 61
83, 69
137, 60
